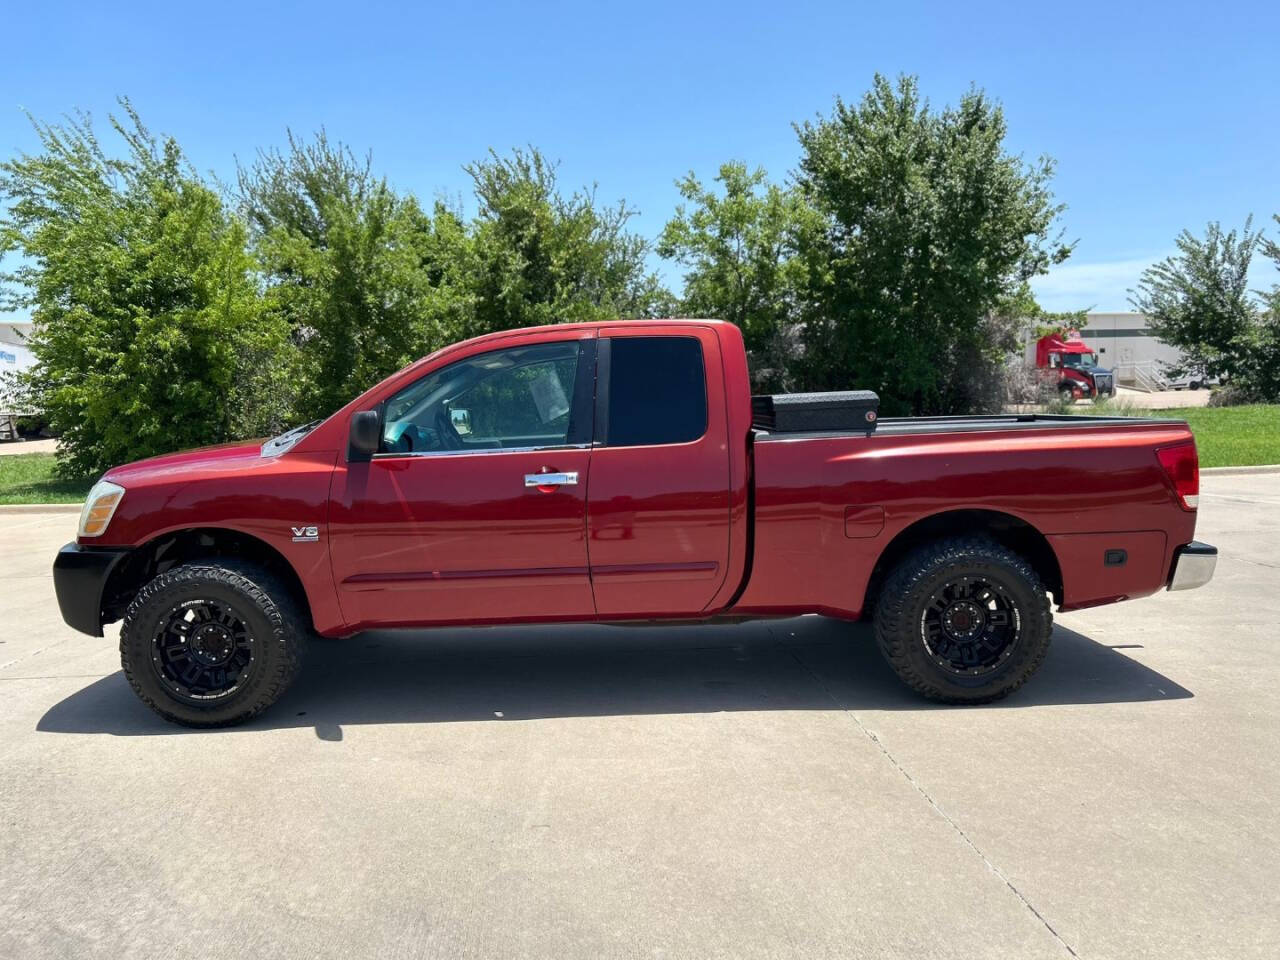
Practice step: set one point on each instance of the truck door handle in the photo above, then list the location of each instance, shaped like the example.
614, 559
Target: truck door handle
551, 479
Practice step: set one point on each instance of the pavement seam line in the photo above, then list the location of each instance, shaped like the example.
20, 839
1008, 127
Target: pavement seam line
59, 676
928, 799
1256, 563
34, 653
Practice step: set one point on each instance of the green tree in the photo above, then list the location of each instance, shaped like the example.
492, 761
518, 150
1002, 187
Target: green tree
1198, 300
927, 226
738, 245
1262, 370
365, 279
141, 291
542, 257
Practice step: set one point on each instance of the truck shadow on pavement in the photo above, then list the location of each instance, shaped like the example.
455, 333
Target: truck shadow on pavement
537, 672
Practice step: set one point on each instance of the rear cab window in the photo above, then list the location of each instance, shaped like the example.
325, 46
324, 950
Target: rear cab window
652, 390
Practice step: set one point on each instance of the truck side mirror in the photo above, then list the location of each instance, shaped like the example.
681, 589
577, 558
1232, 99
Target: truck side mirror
363, 442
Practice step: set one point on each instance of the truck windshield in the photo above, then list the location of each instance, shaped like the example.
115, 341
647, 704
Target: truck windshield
1080, 360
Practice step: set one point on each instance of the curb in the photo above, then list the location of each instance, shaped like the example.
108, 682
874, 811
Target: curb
7, 509
1241, 471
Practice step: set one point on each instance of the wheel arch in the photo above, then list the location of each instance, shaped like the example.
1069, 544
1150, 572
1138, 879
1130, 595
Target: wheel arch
176, 547
1006, 529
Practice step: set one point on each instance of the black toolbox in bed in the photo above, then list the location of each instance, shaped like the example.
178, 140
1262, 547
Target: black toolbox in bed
809, 412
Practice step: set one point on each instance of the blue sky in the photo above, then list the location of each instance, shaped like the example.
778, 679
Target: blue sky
1161, 116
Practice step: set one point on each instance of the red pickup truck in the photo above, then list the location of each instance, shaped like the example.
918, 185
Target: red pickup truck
614, 472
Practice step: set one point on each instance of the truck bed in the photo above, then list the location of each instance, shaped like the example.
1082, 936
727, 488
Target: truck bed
827, 505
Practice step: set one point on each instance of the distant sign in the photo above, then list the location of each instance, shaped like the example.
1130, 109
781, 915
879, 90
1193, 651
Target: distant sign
8, 357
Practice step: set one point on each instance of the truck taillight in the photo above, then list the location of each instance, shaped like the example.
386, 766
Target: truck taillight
1182, 465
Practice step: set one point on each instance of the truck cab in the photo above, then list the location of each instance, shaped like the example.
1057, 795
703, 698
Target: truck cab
1072, 365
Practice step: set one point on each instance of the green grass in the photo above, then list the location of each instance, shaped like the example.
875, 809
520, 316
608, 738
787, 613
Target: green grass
28, 478
1232, 436
1225, 436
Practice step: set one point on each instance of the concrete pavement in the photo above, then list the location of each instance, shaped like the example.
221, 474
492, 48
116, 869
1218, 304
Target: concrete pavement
761, 790
1163, 399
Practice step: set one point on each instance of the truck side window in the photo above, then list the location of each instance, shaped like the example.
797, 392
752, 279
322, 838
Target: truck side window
657, 391
521, 397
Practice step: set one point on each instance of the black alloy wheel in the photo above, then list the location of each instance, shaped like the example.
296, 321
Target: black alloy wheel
971, 626
204, 650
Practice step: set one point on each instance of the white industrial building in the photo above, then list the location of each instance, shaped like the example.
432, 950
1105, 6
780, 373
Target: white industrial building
15, 332
15, 356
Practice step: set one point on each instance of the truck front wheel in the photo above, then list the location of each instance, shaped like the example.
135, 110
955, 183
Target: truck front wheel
212, 643
963, 620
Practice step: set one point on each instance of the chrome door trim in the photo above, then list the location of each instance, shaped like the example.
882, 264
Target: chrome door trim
482, 452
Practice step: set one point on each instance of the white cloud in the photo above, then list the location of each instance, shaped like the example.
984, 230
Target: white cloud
1095, 286
1105, 286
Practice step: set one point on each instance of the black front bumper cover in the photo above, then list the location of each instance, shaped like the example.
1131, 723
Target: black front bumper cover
79, 577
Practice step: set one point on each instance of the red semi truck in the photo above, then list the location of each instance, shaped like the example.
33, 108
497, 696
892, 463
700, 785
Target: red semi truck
613, 472
1072, 367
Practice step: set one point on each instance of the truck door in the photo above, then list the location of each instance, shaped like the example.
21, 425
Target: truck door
658, 504
474, 508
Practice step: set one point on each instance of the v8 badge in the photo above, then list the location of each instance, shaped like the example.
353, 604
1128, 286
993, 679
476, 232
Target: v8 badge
305, 534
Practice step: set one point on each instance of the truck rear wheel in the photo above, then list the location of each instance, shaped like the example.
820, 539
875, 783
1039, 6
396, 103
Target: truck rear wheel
963, 620
212, 643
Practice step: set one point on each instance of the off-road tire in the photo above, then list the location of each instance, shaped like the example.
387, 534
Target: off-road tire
267, 606
908, 591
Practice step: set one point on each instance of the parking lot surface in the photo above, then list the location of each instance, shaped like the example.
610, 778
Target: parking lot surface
759, 790
1163, 399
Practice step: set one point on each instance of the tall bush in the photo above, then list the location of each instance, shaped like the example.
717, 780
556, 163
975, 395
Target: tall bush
928, 226
544, 256
142, 294
1198, 300
359, 274
738, 243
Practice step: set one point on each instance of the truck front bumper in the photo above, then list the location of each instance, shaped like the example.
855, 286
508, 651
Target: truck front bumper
79, 577
1193, 566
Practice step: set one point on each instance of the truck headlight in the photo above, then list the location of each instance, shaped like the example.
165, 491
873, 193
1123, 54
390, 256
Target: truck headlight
99, 507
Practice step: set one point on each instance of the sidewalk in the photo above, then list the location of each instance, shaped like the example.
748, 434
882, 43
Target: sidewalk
1163, 399
13, 447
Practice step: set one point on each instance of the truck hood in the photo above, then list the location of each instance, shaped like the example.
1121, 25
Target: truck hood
186, 464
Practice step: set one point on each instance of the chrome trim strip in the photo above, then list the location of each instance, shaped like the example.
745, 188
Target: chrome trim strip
655, 572
424, 579
486, 451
